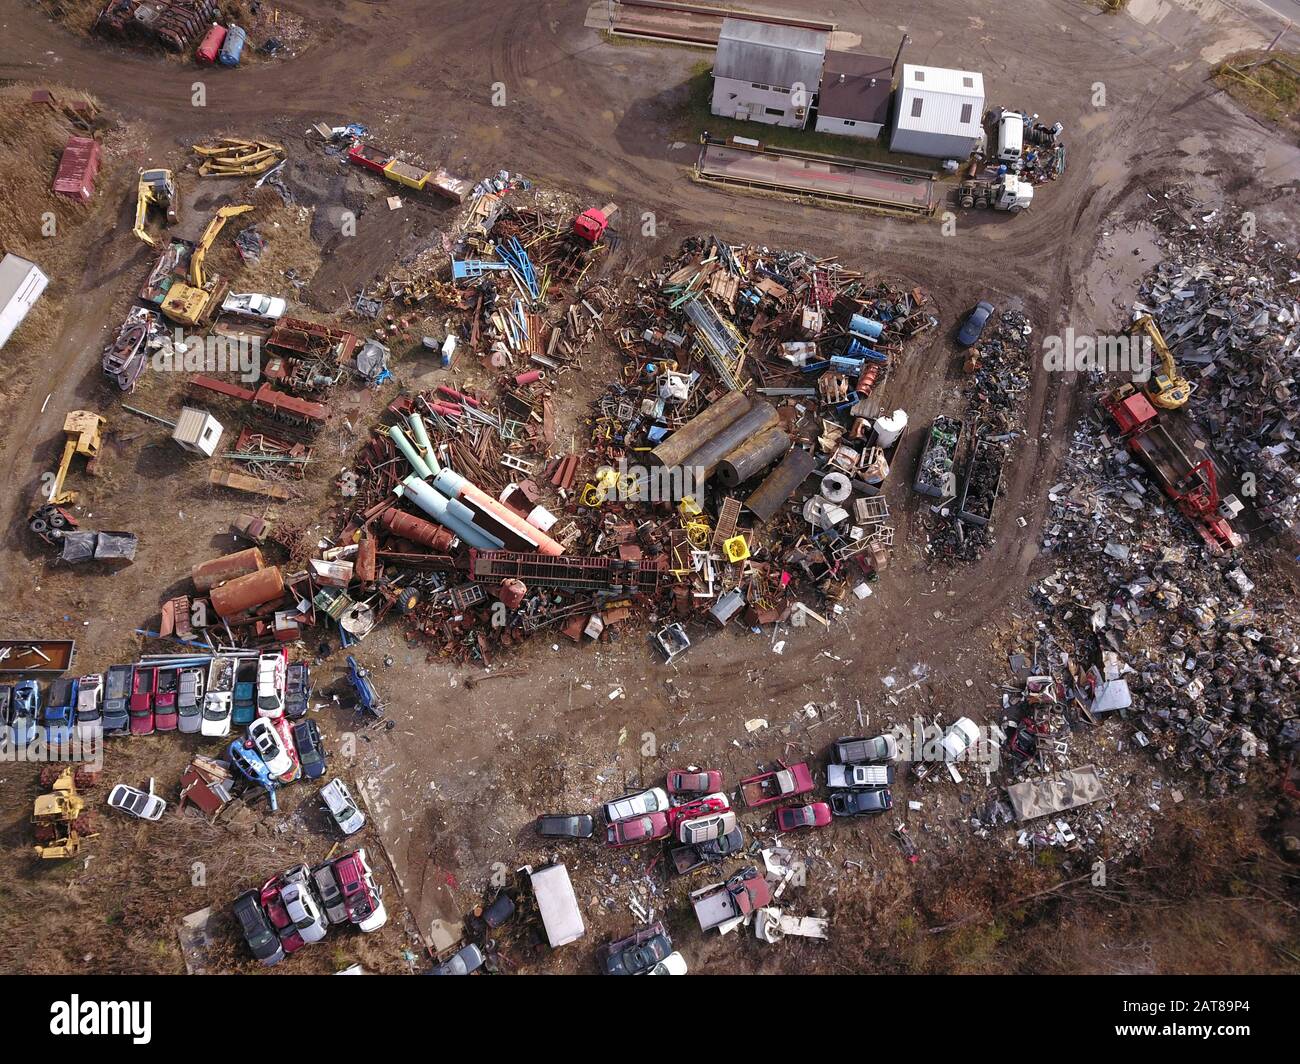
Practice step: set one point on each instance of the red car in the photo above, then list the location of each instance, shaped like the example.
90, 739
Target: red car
284, 728
713, 803
682, 782
638, 829
143, 686
165, 713
792, 817
273, 906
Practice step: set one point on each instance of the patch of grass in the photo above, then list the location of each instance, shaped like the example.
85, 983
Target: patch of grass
1265, 83
696, 116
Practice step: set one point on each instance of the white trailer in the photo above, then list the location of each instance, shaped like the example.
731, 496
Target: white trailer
21, 285
558, 904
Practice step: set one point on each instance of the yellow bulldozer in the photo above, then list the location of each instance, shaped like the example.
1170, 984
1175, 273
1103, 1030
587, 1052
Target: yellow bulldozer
156, 188
58, 820
1167, 388
194, 302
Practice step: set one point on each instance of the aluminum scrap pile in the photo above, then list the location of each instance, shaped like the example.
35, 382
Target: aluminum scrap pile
1202, 663
1228, 307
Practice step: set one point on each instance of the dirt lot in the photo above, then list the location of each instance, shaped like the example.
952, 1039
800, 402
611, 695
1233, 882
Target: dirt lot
454, 785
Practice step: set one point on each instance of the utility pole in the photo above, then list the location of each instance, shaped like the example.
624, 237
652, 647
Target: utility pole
893, 70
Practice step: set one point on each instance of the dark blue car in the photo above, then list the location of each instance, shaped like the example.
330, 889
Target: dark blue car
311, 752
974, 324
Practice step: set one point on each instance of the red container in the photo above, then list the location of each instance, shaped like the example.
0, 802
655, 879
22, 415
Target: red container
77, 169
211, 44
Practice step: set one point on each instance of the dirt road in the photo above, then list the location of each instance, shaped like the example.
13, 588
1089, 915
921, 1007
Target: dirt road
604, 120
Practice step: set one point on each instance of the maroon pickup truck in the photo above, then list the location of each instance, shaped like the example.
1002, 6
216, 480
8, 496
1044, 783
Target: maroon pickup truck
784, 782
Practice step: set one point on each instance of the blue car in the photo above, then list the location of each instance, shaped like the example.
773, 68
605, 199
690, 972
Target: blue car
368, 700
245, 757
26, 711
974, 324
60, 709
245, 700
311, 752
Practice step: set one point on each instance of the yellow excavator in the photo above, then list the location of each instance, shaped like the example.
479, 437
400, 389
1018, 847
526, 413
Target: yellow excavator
195, 301
1167, 388
84, 432
156, 188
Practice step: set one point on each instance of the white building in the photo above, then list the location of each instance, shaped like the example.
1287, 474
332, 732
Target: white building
197, 431
767, 73
21, 285
938, 112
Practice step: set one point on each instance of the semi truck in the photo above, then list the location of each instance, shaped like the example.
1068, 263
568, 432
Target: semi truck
1006, 193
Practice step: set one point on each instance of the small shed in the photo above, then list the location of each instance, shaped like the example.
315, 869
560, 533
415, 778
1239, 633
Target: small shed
938, 112
855, 93
768, 73
77, 169
197, 431
21, 285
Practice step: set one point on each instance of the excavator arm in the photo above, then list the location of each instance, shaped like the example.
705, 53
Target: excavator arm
209, 237
1169, 389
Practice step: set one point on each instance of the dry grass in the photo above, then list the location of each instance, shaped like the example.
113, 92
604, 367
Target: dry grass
76, 15
35, 223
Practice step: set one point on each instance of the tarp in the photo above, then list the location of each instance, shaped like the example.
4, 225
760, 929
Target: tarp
1056, 793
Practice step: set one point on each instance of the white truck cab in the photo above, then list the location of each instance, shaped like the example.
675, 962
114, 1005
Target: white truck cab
1011, 138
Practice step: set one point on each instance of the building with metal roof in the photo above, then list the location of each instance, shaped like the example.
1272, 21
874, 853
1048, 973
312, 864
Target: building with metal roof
767, 73
938, 112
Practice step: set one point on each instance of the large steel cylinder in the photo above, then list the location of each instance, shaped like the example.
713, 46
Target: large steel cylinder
246, 592
207, 575
752, 457
675, 450
418, 530
781, 483
760, 417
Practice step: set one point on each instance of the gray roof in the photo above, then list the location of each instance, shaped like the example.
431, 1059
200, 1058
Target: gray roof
856, 86
769, 54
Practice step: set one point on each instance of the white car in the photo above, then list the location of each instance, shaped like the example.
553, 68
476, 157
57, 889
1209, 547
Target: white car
255, 305
136, 802
673, 964
706, 828
270, 747
90, 706
959, 737
270, 685
346, 814
655, 800
217, 707
303, 911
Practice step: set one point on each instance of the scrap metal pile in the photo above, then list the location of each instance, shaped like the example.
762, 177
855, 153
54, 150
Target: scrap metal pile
748, 374
964, 466
1202, 662
1226, 302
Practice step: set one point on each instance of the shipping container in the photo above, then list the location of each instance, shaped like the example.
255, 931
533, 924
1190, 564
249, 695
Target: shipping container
233, 46
77, 169
210, 47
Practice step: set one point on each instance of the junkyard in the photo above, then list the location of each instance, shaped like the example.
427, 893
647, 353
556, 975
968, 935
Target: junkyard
663, 490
